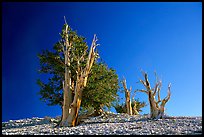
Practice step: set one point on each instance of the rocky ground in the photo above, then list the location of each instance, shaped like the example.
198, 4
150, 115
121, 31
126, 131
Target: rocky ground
107, 124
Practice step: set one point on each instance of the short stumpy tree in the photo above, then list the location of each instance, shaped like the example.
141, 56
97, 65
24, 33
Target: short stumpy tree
157, 107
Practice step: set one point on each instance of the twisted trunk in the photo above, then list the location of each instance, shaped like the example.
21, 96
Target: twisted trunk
128, 103
72, 103
156, 110
153, 108
67, 94
134, 109
82, 76
127, 97
75, 106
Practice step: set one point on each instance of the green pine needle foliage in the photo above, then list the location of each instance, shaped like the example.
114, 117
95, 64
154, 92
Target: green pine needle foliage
121, 108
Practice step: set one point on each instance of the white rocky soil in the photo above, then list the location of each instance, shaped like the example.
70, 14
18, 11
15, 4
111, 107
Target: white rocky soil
107, 124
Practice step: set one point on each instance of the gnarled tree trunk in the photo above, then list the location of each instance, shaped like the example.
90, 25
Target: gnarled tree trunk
72, 104
156, 110
127, 97
67, 94
82, 76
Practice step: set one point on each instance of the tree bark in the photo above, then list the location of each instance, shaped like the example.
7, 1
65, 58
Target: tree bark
81, 82
67, 94
74, 108
156, 110
127, 97
71, 104
153, 108
134, 109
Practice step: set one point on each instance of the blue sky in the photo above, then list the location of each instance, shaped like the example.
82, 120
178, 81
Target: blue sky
152, 36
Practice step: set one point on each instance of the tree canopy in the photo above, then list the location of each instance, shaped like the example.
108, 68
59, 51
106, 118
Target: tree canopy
102, 87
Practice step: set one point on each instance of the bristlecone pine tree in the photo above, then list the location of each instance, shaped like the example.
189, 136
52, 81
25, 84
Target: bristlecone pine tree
71, 104
101, 88
156, 110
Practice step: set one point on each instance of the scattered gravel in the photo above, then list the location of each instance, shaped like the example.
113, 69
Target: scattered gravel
106, 124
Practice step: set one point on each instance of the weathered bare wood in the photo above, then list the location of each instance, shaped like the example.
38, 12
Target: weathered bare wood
127, 97
142, 90
134, 109
156, 110
143, 82
169, 93
67, 80
81, 82
73, 89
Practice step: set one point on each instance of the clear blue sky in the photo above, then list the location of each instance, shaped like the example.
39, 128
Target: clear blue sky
166, 37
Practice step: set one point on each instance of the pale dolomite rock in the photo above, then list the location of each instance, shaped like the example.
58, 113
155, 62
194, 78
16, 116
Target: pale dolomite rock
106, 124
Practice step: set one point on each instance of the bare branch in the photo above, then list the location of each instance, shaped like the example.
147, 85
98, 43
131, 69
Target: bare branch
66, 38
159, 88
124, 84
155, 89
155, 73
169, 93
130, 88
65, 20
91, 56
143, 82
143, 73
141, 90
134, 94
90, 61
147, 81
165, 100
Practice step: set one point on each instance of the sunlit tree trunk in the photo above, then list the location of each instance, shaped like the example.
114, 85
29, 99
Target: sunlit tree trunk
67, 94
127, 97
134, 109
72, 89
156, 110
81, 82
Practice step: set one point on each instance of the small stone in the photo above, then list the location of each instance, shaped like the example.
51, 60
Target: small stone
90, 131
